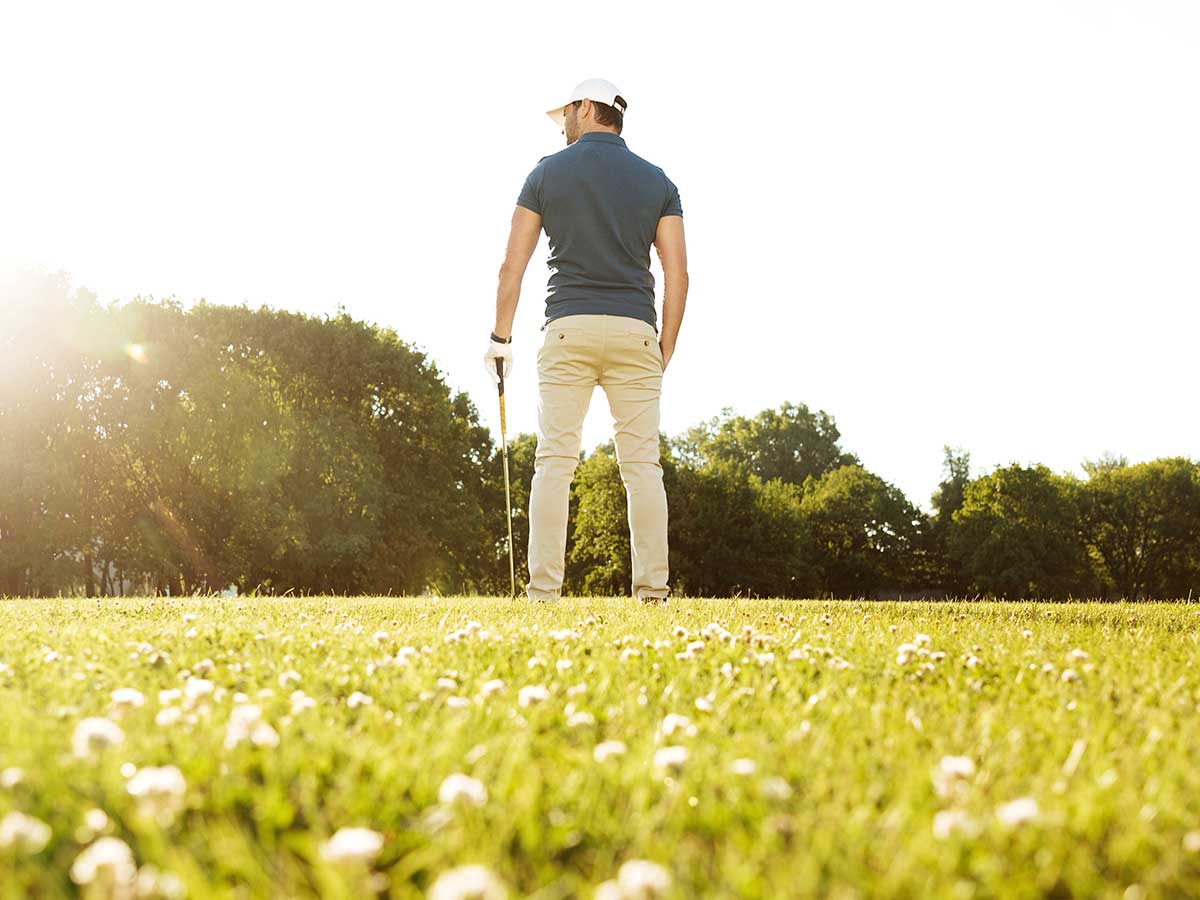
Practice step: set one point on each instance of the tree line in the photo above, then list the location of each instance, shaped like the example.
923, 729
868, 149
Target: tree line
145, 447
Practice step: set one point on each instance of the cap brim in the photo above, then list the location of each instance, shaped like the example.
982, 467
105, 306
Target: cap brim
558, 114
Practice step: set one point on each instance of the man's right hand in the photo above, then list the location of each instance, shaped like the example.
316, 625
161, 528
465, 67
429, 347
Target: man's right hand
497, 350
667, 353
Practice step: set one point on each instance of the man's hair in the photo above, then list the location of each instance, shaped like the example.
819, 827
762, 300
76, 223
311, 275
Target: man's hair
605, 114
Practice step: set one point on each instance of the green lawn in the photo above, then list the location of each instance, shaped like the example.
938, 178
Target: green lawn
798, 749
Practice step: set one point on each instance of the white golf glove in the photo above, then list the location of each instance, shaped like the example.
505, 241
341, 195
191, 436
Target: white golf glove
498, 349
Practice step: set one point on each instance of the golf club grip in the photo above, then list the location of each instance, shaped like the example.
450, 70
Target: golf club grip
500, 374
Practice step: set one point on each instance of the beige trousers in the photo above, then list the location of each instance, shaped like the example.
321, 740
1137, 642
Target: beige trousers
620, 354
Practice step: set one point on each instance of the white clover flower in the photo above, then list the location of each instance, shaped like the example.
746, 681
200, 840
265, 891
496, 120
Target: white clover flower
94, 735
352, 846
168, 716
195, 688
1191, 842
404, 655
947, 822
457, 702
630, 653
1078, 656
1069, 675
705, 703
263, 735
972, 661
159, 792
468, 883
904, 653
301, 701
379, 637
126, 699
23, 833
291, 676
245, 723
951, 774
580, 719
95, 820
673, 722
744, 767
531, 694
11, 777
607, 749
1026, 633
151, 882
357, 699
536, 662
563, 665
1016, 812
167, 696
203, 667
957, 766
640, 879
458, 787
491, 687
671, 758
776, 789
446, 684
107, 865
921, 640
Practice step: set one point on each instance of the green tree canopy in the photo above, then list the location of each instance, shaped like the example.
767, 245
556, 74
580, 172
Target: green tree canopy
791, 443
1017, 535
1144, 523
865, 534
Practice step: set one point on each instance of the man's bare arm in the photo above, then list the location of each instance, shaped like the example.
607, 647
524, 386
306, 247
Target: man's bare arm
672, 253
522, 240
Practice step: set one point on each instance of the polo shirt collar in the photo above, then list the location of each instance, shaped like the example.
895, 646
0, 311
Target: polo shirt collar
606, 137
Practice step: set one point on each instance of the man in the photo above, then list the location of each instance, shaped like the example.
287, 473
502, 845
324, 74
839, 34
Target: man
602, 207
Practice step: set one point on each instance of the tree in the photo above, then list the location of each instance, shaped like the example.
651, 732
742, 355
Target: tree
1018, 535
1144, 523
188, 450
730, 532
946, 501
599, 558
865, 534
791, 444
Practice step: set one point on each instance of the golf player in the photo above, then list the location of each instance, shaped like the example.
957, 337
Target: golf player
602, 206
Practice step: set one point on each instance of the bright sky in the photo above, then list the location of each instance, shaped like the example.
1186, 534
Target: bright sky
942, 222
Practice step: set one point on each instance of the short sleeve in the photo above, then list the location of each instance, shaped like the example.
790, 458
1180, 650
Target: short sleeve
673, 206
531, 193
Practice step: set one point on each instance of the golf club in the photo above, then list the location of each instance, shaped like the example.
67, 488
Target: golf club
512, 570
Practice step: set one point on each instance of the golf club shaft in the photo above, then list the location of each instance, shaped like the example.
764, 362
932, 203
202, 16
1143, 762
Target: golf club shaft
512, 570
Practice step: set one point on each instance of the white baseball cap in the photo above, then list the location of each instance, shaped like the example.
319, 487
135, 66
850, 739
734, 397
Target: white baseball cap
596, 89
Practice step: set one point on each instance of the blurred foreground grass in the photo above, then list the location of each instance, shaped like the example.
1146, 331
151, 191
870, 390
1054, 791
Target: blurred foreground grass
744, 748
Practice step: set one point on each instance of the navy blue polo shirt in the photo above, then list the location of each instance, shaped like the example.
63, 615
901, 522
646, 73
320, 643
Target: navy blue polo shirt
600, 205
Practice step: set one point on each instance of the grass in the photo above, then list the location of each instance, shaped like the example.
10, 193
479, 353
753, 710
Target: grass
844, 741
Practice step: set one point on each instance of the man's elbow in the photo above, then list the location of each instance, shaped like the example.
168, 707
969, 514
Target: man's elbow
511, 271
676, 275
